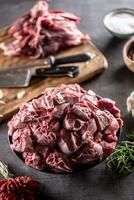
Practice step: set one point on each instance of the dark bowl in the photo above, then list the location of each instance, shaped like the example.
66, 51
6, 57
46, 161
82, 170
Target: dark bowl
76, 169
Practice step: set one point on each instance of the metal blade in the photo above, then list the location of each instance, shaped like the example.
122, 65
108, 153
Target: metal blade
24, 66
15, 79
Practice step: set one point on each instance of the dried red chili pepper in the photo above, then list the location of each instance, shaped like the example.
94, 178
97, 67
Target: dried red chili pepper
19, 188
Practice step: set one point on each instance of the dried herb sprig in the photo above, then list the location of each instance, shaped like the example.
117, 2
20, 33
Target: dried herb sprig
121, 160
4, 171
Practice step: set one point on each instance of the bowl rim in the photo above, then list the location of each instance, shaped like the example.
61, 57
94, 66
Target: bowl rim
126, 49
116, 11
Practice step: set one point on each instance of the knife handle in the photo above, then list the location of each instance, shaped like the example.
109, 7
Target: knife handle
83, 57
70, 71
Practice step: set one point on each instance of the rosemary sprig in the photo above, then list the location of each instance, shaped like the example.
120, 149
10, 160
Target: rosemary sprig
4, 171
121, 160
130, 137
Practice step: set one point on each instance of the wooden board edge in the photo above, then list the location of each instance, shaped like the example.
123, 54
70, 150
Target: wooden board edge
105, 65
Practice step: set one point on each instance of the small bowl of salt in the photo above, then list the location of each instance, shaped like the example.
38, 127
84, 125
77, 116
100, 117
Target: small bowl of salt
120, 22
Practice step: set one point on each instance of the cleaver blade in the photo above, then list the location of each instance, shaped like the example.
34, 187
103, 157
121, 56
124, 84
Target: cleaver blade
16, 79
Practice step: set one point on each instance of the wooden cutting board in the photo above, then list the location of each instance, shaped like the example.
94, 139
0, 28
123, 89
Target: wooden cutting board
87, 70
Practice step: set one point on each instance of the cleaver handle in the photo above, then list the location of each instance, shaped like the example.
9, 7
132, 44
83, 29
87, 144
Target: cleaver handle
70, 71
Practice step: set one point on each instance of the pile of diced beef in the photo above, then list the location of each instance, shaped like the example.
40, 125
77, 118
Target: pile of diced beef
65, 128
42, 31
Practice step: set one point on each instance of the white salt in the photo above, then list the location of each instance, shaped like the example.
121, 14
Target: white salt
122, 23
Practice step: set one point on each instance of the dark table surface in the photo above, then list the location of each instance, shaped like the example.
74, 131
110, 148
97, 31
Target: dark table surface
116, 82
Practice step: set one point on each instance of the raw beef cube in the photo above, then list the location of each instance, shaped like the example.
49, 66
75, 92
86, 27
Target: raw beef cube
108, 104
34, 160
47, 138
23, 143
69, 142
58, 163
72, 122
60, 110
43, 152
59, 99
113, 127
108, 147
102, 119
82, 111
90, 96
90, 152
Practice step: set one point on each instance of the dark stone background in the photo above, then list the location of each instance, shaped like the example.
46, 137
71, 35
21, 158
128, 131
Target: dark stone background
117, 83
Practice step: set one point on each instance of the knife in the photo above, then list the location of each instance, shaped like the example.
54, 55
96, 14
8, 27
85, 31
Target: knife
53, 61
22, 77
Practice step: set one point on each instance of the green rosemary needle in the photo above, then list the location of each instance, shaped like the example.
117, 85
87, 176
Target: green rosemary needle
121, 160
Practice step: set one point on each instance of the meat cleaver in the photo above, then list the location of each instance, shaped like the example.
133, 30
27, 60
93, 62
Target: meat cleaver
20, 76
